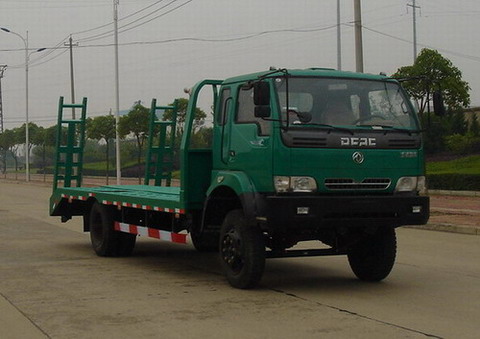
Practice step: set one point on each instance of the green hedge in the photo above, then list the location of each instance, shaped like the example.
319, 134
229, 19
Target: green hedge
454, 181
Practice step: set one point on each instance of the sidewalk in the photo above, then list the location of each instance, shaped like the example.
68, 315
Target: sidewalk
454, 211
450, 211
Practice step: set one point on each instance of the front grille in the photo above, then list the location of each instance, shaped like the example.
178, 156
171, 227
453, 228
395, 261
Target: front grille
350, 184
403, 143
309, 142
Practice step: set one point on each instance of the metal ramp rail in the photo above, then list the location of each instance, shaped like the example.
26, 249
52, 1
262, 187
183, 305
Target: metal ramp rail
70, 142
161, 146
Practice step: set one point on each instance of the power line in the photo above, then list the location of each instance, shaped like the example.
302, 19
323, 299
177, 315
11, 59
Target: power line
213, 40
111, 32
158, 16
48, 52
120, 19
101, 35
462, 55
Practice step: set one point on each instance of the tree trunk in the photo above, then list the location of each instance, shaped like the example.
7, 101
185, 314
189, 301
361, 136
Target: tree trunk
44, 162
139, 159
16, 167
4, 162
108, 163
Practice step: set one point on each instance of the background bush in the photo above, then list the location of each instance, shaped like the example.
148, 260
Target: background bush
454, 182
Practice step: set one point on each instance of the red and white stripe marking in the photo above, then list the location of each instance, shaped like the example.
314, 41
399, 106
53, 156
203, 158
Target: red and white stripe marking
151, 232
119, 204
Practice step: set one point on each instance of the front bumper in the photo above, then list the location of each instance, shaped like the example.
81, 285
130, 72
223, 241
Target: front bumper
284, 213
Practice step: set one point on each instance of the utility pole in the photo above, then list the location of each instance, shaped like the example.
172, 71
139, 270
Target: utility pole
339, 38
2, 72
27, 140
117, 92
27, 123
414, 14
72, 82
3, 155
358, 36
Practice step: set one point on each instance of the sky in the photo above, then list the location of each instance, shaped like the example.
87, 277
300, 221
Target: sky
168, 45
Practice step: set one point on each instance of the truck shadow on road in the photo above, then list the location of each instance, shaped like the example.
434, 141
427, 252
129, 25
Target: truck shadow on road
182, 262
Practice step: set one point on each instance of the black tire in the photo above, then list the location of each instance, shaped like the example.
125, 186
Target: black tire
242, 251
373, 257
107, 242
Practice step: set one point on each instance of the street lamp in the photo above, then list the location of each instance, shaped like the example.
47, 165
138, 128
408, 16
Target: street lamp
27, 56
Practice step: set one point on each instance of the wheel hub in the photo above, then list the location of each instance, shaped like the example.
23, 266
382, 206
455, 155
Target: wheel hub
232, 251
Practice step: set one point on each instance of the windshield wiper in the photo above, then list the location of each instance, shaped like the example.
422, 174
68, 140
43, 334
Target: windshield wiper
387, 128
324, 126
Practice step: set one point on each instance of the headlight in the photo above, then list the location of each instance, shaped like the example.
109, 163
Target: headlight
285, 184
410, 184
282, 184
303, 184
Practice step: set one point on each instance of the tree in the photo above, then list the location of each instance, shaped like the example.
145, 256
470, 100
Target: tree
431, 71
182, 105
202, 138
32, 132
10, 139
102, 128
458, 125
38, 139
44, 138
199, 135
136, 123
3, 153
3, 150
474, 126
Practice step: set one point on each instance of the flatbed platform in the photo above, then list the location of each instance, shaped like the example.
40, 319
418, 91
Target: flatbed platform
155, 198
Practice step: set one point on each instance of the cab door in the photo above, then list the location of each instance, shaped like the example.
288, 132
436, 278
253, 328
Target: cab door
250, 144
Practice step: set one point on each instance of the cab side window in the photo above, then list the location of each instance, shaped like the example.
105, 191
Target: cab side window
246, 112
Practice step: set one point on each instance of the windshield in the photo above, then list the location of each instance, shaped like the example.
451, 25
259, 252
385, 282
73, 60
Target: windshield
344, 102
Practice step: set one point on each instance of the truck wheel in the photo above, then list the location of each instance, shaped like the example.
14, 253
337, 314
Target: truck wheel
372, 258
242, 251
107, 242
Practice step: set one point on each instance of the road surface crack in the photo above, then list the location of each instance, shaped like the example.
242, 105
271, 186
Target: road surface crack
359, 315
25, 315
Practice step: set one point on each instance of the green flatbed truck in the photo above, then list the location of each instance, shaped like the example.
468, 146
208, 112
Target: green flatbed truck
296, 155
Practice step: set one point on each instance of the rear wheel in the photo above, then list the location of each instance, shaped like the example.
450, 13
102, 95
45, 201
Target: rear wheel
242, 251
107, 242
372, 258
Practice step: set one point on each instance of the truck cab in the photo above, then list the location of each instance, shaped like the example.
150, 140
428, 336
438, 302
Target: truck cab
316, 154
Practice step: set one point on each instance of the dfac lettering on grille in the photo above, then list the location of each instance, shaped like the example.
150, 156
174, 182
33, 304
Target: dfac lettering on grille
354, 141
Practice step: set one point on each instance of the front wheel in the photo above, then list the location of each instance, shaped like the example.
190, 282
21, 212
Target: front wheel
372, 257
242, 251
107, 242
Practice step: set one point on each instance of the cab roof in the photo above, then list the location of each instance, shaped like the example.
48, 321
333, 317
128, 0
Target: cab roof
309, 72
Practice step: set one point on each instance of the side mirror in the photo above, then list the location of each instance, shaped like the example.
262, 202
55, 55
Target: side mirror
261, 93
261, 99
262, 111
438, 105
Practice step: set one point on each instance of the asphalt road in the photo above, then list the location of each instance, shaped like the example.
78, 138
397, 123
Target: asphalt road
53, 286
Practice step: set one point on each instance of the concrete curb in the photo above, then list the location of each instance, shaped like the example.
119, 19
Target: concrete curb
460, 229
458, 193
